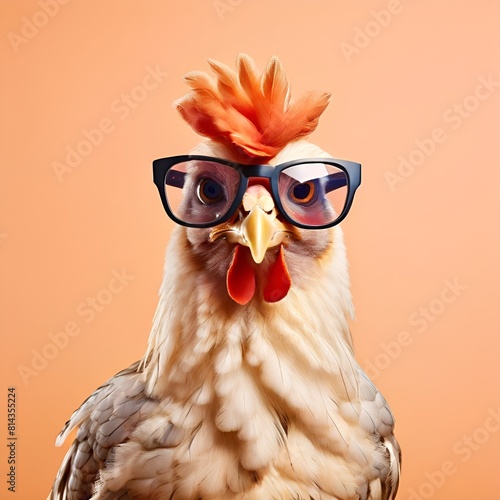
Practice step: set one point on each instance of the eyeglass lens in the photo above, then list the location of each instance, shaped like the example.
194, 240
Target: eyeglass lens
201, 192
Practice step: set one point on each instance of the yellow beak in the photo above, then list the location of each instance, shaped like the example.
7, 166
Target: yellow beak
260, 229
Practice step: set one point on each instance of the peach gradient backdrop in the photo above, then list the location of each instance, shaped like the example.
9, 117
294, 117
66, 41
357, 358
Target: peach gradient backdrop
60, 241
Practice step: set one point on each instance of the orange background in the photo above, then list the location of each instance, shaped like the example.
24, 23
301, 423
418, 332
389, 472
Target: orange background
60, 241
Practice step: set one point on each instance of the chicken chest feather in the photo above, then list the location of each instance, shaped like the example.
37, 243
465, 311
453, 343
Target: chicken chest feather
249, 388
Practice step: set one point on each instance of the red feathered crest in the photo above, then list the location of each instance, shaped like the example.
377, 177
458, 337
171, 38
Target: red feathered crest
252, 114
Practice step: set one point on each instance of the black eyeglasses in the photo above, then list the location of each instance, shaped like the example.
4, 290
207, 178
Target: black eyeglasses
201, 191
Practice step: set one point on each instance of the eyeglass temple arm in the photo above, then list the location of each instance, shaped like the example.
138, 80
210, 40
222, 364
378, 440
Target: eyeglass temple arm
175, 178
334, 181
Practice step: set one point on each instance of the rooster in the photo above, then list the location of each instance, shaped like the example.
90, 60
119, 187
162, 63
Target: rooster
248, 388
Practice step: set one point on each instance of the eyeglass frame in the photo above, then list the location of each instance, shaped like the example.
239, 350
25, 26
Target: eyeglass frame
161, 166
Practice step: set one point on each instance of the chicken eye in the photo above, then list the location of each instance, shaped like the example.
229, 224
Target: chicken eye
303, 193
210, 192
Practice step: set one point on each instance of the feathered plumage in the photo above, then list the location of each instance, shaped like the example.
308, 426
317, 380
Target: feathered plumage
259, 400
252, 114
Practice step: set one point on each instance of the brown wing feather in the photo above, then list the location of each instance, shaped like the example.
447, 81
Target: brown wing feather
104, 420
377, 410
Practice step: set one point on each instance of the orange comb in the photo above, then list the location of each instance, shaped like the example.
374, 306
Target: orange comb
252, 114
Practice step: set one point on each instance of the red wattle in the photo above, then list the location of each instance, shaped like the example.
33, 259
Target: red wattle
278, 280
240, 279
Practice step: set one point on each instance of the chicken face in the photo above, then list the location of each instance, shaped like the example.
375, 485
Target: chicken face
248, 221
255, 194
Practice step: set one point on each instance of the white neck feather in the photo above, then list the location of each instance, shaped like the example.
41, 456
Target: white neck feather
198, 329
245, 368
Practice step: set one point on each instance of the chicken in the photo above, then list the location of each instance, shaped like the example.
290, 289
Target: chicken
249, 388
